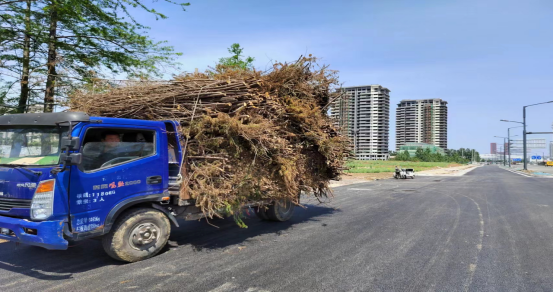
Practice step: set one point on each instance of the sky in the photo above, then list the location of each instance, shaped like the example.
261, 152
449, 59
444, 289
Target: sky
486, 58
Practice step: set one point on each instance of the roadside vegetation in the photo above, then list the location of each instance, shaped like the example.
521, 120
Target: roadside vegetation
358, 166
423, 160
461, 156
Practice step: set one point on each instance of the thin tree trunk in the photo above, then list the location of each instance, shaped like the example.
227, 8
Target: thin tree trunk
51, 79
24, 95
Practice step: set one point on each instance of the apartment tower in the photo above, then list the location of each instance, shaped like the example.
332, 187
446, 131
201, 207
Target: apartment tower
363, 114
421, 121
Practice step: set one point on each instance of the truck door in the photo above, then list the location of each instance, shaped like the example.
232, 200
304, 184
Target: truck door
121, 164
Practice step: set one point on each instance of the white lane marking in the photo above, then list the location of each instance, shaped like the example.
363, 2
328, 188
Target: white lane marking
473, 266
226, 287
255, 289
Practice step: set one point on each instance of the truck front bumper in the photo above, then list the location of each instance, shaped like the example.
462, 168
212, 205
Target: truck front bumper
47, 234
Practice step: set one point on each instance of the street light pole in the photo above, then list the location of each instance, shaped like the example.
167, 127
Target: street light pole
509, 144
524, 135
524, 149
524, 155
504, 154
504, 138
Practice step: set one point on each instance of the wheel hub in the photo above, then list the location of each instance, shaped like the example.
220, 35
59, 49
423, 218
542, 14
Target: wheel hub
284, 207
144, 235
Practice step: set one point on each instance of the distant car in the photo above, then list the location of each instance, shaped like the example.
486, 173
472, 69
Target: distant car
549, 163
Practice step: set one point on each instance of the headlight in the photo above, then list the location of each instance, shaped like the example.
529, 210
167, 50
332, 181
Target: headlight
42, 205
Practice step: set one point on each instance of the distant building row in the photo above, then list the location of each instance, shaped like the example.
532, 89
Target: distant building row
363, 114
493, 149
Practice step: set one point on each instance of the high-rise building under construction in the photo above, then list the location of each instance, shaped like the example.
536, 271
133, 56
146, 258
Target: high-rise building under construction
421, 121
363, 114
493, 148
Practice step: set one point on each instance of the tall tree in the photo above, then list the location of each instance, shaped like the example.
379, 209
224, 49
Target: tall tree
52, 10
26, 59
94, 36
70, 42
8, 39
20, 40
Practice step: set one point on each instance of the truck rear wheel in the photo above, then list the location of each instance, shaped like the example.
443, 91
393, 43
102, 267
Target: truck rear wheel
280, 211
138, 234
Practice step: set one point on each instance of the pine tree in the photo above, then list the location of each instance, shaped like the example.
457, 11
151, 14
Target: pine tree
71, 42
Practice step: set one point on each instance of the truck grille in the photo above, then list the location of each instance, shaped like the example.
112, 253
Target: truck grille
7, 204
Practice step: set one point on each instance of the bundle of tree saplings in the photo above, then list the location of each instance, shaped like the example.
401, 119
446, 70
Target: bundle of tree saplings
248, 135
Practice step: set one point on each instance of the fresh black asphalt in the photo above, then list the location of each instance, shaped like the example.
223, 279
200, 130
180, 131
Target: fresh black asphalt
489, 230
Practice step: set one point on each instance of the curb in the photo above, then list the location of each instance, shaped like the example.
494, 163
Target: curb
526, 174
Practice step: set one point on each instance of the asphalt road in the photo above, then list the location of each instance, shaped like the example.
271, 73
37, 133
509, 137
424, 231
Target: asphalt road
489, 230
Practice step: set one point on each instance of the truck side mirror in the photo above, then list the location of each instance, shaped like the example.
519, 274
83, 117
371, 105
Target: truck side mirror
72, 159
75, 159
70, 143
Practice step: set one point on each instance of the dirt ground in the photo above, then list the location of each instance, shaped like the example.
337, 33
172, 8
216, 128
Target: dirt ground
453, 171
354, 178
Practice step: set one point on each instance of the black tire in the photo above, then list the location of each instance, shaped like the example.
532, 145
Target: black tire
125, 241
280, 211
261, 213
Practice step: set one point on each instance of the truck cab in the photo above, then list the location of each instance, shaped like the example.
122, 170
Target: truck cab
67, 176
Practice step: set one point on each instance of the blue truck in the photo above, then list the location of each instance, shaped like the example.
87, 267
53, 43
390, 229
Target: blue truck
65, 177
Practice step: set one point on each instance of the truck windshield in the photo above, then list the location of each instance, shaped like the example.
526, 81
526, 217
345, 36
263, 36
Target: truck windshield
30, 146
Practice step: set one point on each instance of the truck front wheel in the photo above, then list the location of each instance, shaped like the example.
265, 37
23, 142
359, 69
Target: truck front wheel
138, 234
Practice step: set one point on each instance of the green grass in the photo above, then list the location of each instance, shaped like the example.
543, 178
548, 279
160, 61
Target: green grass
356, 166
7, 160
